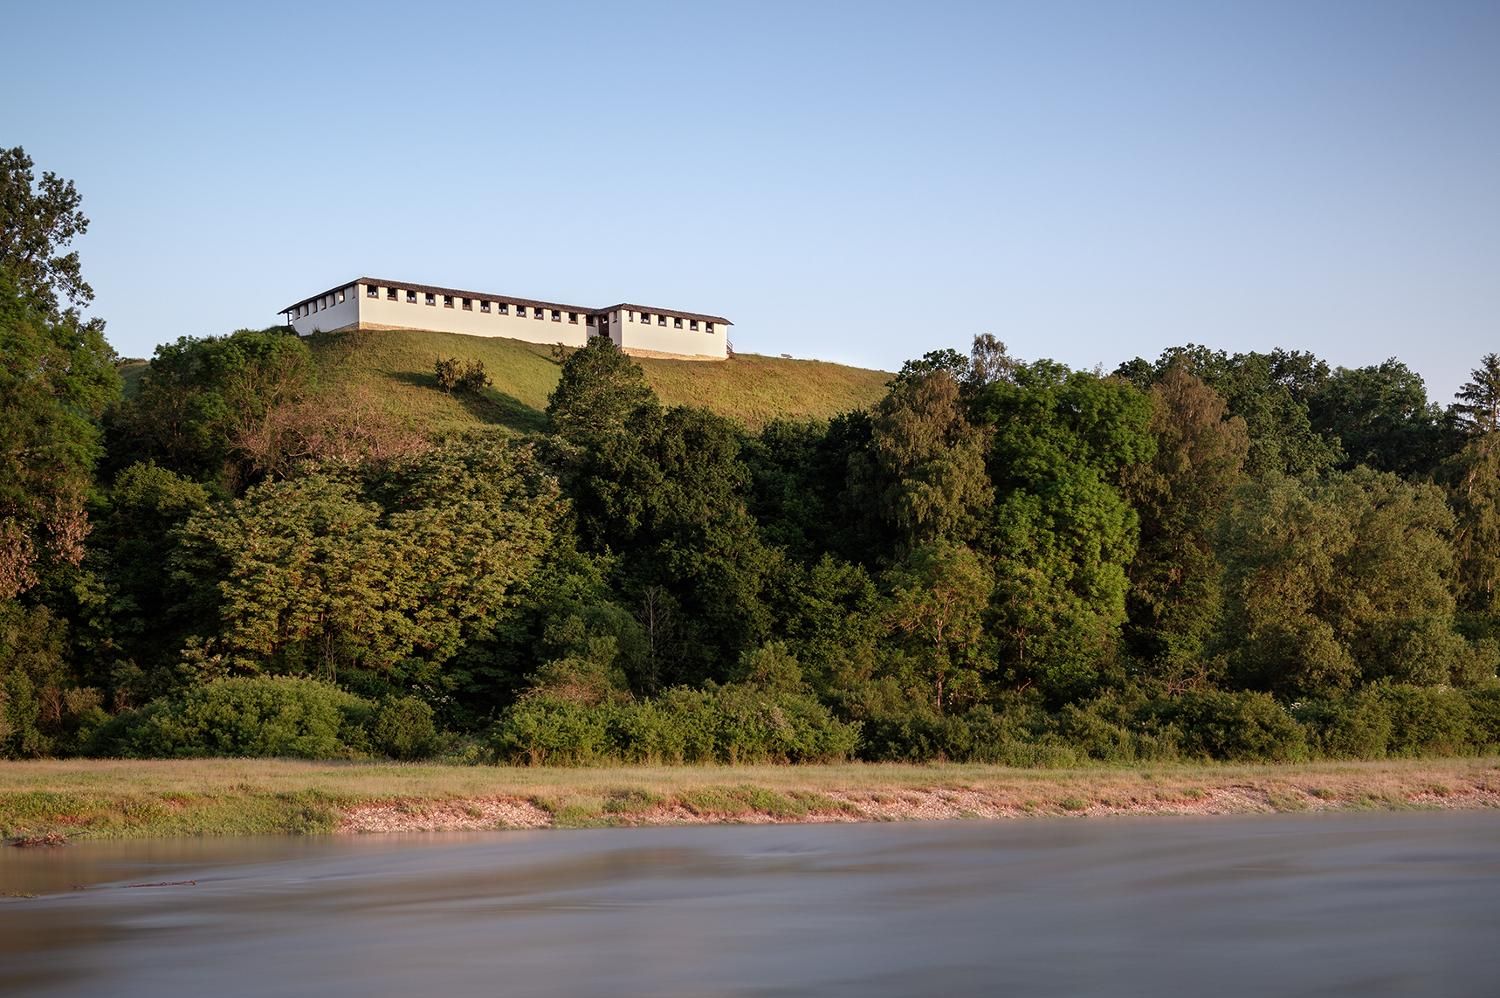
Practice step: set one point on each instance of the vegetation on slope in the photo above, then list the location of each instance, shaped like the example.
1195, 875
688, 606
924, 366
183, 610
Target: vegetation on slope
397, 365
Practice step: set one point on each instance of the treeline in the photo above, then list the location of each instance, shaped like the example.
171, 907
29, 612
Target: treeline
1204, 555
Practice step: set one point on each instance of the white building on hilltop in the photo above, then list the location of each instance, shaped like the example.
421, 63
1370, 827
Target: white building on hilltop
370, 303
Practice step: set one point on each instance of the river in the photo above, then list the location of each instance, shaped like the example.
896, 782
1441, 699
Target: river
1343, 904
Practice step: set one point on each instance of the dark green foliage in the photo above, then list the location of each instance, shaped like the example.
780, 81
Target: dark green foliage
1380, 417
56, 377
379, 583
731, 724
1427, 720
668, 496
42, 710
1478, 405
403, 728
203, 401
1060, 533
1332, 585
132, 547
1176, 598
255, 716
460, 377
1249, 557
1270, 392
600, 389
1215, 724
37, 221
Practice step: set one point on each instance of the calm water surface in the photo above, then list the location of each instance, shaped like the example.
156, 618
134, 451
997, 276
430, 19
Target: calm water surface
1370, 904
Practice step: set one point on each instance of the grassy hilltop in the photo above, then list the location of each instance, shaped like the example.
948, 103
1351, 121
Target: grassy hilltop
396, 367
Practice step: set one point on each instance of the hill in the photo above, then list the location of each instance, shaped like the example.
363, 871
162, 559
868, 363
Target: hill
395, 366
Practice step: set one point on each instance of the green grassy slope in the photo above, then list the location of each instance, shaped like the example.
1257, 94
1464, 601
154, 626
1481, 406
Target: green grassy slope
396, 367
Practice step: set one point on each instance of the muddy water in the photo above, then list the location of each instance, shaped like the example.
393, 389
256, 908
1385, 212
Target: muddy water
1371, 904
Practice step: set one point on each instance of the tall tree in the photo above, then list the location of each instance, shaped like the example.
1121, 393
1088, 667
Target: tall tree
938, 594
37, 221
930, 461
1175, 598
1472, 477
1380, 417
204, 405
56, 377
1060, 533
1333, 584
599, 390
1269, 391
1478, 405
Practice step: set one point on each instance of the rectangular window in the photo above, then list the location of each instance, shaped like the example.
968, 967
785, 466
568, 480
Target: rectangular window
708, 326
390, 294
447, 301
645, 316
573, 317
557, 315
692, 325
411, 297
503, 308
676, 323
630, 316
468, 304
431, 298
536, 313
661, 320
484, 306
371, 291
339, 298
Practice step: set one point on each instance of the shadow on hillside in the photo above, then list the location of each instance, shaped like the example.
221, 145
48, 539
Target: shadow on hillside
493, 407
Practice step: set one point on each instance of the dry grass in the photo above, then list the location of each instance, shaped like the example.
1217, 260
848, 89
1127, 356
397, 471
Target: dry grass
227, 796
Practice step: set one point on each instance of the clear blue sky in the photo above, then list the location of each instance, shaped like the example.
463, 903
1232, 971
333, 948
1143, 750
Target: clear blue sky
855, 181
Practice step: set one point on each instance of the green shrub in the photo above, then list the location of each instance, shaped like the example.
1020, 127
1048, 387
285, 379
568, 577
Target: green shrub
1484, 714
546, 731
1356, 727
1427, 720
403, 728
1250, 727
254, 716
461, 377
729, 724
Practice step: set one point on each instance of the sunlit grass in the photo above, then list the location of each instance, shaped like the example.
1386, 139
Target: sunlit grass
115, 798
397, 367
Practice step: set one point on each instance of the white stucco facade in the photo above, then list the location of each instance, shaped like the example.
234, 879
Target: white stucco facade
371, 303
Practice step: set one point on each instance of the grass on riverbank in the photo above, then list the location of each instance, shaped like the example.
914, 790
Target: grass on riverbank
128, 799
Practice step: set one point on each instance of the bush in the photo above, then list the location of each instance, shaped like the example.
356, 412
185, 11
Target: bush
461, 377
254, 716
1249, 727
546, 731
403, 729
1427, 720
1484, 713
728, 724
1357, 727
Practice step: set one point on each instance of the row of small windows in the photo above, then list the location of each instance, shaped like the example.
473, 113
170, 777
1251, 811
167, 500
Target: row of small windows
485, 305
467, 304
661, 320
322, 302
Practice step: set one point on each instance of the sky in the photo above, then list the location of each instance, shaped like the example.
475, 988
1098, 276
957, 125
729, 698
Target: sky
860, 182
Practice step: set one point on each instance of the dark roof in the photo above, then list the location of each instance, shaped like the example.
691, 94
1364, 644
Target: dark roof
432, 289
666, 311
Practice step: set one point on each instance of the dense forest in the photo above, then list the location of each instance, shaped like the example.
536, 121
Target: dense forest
1202, 555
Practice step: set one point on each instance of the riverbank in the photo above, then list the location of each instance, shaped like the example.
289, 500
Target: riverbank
56, 800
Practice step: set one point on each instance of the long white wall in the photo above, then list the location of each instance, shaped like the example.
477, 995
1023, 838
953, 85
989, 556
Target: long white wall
554, 326
410, 309
328, 313
636, 334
